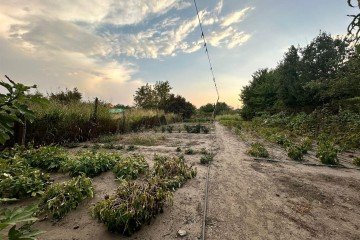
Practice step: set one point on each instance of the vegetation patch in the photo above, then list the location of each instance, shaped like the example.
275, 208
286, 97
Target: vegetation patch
356, 161
295, 153
173, 172
19, 180
133, 205
61, 198
91, 163
258, 150
189, 151
131, 167
207, 158
327, 151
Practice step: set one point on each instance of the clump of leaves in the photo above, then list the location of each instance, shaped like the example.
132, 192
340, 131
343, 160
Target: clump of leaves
305, 145
178, 149
205, 129
356, 161
49, 158
258, 150
203, 151
281, 139
295, 153
207, 158
133, 205
91, 163
19, 180
61, 198
23, 216
131, 167
172, 171
131, 148
189, 151
327, 151
169, 129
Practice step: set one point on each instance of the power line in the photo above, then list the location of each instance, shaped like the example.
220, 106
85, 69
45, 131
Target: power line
208, 56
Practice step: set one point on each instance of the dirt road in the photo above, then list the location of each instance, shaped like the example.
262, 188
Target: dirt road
262, 200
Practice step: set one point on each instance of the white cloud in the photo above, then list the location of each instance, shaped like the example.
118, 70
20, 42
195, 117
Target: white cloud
235, 17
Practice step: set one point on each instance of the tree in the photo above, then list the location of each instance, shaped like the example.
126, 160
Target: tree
67, 96
179, 105
151, 97
13, 107
221, 108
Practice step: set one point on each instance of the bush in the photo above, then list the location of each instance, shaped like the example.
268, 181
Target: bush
193, 129
178, 149
258, 150
189, 151
295, 153
207, 158
305, 145
356, 161
91, 163
172, 171
19, 180
131, 167
49, 158
61, 198
133, 205
169, 129
326, 151
281, 139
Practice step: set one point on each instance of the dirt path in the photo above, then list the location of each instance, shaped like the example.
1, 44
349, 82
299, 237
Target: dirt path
261, 200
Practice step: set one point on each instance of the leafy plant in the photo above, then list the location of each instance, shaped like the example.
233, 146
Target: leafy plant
131, 148
356, 161
205, 129
61, 198
172, 171
203, 151
91, 163
295, 153
326, 151
281, 139
169, 128
189, 151
131, 167
49, 158
133, 205
207, 158
305, 145
178, 149
13, 217
258, 150
19, 180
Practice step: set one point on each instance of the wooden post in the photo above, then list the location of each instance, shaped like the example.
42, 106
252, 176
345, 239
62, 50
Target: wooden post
96, 103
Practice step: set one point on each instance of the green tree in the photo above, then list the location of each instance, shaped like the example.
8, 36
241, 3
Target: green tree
151, 97
67, 96
221, 108
179, 105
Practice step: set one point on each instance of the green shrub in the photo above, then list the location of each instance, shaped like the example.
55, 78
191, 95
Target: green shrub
131, 148
258, 150
295, 153
19, 180
356, 161
49, 158
207, 158
131, 167
281, 139
173, 172
61, 198
306, 144
91, 163
193, 129
189, 151
133, 205
205, 129
326, 151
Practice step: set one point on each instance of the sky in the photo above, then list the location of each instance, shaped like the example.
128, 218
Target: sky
109, 48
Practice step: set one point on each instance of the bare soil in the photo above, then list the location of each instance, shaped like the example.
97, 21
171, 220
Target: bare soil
248, 199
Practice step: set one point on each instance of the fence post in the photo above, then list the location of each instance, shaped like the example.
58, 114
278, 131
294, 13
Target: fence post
94, 116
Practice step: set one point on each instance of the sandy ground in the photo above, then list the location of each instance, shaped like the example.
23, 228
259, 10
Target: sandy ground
248, 199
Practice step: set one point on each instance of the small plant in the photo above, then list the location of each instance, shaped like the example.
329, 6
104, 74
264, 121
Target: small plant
19, 180
132, 206
163, 129
205, 129
109, 146
189, 151
193, 129
61, 198
356, 161
258, 150
91, 163
169, 129
131, 167
295, 153
305, 145
107, 139
49, 158
326, 151
281, 139
203, 151
12, 218
207, 158
178, 149
131, 148
172, 171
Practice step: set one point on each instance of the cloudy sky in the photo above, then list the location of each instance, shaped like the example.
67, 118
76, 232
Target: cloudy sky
108, 48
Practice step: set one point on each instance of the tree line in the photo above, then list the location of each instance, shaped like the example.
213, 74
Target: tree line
325, 72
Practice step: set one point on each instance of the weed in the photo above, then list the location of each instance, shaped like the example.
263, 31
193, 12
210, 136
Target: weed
61, 198
178, 149
326, 151
306, 144
131, 148
207, 158
189, 151
295, 153
107, 139
258, 150
169, 129
133, 205
131, 167
356, 161
205, 129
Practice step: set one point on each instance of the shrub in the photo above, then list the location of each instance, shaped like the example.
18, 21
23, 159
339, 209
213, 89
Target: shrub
131, 167
326, 151
189, 151
169, 129
178, 149
207, 158
295, 153
258, 150
106, 139
49, 158
19, 180
61, 198
356, 161
133, 205
205, 129
305, 145
281, 139
131, 148
203, 151
193, 129
91, 163
172, 171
